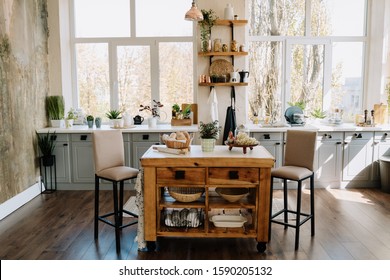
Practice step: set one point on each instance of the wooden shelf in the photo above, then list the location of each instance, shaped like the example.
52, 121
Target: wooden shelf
231, 22
222, 53
222, 84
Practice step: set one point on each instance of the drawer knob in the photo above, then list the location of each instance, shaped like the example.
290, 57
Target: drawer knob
180, 174
53, 137
83, 137
145, 136
233, 175
267, 136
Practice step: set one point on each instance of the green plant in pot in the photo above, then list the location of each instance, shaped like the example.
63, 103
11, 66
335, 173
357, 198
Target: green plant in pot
209, 133
55, 109
115, 117
90, 119
46, 143
209, 19
70, 118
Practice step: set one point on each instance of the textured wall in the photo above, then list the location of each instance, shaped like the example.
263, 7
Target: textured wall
23, 87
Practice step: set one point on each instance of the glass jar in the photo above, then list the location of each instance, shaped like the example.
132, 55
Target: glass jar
241, 129
217, 45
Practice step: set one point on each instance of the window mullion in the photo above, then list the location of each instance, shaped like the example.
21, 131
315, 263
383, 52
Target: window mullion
113, 75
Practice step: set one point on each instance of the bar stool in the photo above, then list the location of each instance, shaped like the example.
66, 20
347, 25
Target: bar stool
298, 166
109, 160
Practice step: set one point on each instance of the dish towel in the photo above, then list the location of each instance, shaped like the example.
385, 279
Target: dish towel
139, 201
213, 103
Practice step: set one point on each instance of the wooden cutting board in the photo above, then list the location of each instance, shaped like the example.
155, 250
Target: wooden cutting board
380, 113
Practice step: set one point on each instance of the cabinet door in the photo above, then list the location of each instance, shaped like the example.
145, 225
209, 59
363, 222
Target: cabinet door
358, 156
82, 159
328, 161
61, 151
381, 148
139, 148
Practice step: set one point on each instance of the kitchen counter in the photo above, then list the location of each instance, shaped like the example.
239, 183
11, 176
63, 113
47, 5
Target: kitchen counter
133, 129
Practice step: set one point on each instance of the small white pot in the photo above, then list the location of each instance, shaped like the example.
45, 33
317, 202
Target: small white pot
58, 123
152, 122
207, 145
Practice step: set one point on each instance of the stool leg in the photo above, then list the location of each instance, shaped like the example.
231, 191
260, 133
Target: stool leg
120, 211
312, 204
96, 206
298, 215
285, 204
116, 216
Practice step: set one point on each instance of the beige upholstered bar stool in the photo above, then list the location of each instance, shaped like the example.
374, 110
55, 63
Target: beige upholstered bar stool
298, 166
109, 159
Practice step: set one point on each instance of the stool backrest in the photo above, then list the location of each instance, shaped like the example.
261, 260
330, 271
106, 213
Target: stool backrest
108, 150
300, 148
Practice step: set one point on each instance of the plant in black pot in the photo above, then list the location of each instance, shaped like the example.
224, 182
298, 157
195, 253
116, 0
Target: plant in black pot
46, 143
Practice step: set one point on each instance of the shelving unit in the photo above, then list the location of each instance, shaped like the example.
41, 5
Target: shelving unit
232, 24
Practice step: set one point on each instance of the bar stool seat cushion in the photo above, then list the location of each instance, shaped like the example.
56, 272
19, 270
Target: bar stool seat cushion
118, 173
291, 172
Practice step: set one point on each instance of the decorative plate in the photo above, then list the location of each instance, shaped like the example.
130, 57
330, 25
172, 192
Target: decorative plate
221, 67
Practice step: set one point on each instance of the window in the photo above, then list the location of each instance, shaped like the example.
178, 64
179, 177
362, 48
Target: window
123, 61
308, 53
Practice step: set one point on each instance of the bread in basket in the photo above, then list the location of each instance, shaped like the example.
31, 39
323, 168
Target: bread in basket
178, 140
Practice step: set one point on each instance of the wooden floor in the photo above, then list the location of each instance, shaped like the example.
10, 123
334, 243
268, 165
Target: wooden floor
350, 224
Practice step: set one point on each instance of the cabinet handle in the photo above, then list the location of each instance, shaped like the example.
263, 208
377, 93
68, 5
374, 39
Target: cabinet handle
277, 143
180, 174
65, 145
83, 137
145, 136
233, 174
53, 137
267, 136
358, 135
338, 143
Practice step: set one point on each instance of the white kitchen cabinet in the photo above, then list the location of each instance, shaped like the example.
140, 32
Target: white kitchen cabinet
328, 159
273, 142
141, 142
358, 156
381, 148
62, 153
82, 158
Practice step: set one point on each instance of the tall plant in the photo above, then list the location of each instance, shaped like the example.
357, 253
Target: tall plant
209, 19
55, 107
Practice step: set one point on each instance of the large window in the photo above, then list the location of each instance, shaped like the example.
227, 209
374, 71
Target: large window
123, 59
308, 53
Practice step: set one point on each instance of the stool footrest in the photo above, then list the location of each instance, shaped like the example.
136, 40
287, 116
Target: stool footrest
103, 219
307, 217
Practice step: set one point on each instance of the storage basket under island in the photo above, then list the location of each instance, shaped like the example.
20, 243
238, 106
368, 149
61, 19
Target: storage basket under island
179, 189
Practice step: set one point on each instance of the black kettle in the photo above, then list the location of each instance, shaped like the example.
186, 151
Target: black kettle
138, 119
243, 76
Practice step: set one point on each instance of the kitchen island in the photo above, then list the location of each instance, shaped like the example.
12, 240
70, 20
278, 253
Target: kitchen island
222, 168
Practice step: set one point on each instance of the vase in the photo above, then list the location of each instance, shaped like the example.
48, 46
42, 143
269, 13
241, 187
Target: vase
90, 124
69, 123
152, 122
98, 122
205, 44
207, 145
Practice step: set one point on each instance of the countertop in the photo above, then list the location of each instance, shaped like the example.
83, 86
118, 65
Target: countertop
194, 128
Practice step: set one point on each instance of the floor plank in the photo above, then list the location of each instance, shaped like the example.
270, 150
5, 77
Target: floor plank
350, 224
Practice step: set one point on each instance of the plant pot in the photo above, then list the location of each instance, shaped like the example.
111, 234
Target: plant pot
117, 123
58, 123
152, 122
47, 160
69, 123
207, 145
98, 122
90, 124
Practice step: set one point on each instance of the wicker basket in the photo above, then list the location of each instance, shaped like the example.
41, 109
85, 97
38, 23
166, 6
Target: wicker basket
185, 194
179, 144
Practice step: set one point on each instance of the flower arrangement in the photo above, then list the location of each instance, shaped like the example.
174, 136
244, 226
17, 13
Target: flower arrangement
152, 109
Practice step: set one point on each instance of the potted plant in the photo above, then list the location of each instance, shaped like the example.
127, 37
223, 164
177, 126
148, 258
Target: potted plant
209, 19
152, 121
318, 114
115, 118
71, 117
90, 119
46, 143
209, 132
55, 109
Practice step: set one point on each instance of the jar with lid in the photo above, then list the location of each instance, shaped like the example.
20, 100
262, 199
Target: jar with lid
217, 45
241, 129
233, 46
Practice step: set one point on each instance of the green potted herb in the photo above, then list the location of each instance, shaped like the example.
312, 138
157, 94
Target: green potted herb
90, 119
115, 118
209, 132
318, 114
46, 143
55, 109
70, 118
209, 19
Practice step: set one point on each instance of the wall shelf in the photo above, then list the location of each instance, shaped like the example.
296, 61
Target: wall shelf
222, 53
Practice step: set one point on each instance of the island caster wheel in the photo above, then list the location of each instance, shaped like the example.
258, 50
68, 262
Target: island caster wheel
151, 245
261, 246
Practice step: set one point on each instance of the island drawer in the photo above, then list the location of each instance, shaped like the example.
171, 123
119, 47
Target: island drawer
233, 176
178, 176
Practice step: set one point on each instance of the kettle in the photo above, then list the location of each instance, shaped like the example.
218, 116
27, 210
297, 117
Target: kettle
243, 76
138, 119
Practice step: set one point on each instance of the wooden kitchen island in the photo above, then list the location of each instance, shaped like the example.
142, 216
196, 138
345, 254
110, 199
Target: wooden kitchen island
207, 171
